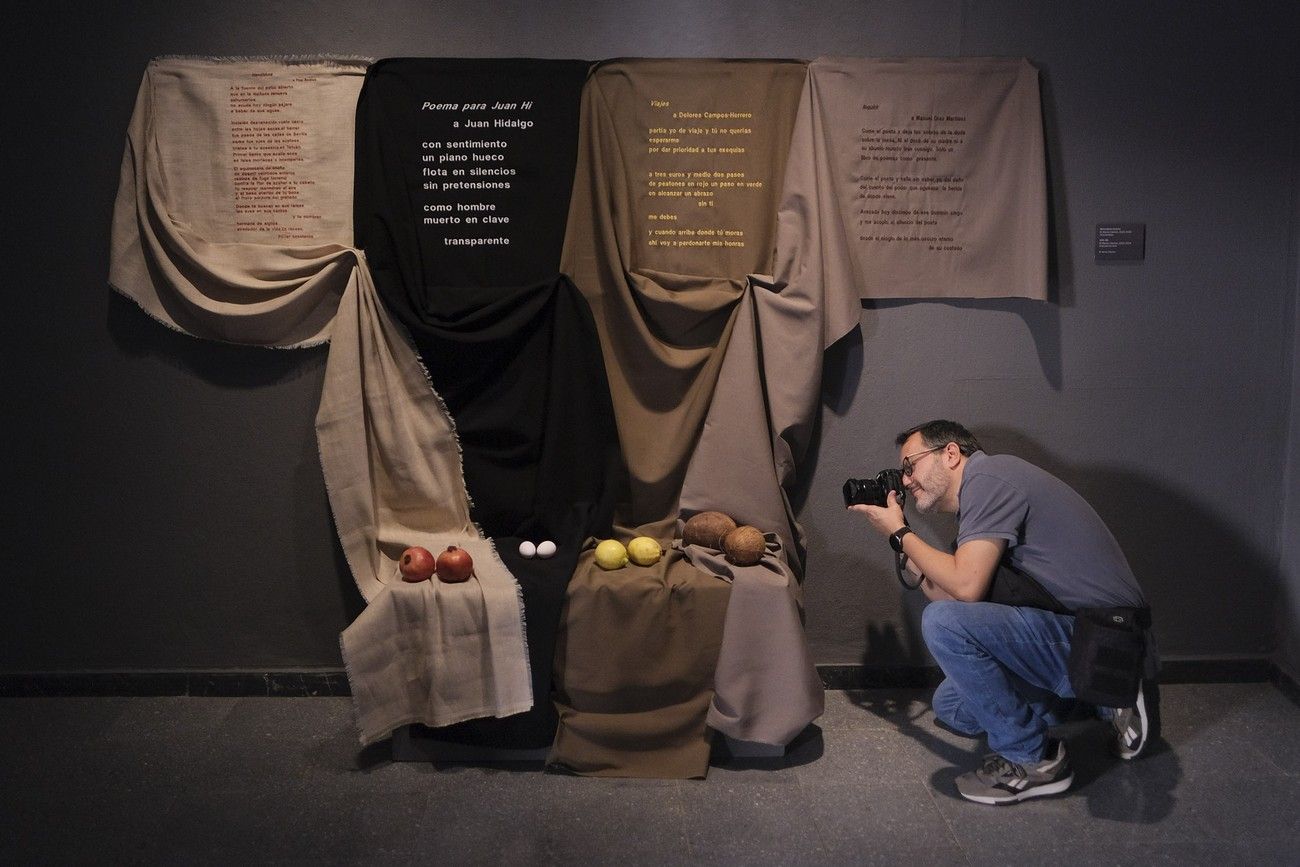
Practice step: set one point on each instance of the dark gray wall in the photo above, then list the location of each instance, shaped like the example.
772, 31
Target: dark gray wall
164, 505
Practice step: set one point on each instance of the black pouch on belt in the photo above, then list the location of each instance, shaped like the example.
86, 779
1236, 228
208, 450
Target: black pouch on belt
1107, 654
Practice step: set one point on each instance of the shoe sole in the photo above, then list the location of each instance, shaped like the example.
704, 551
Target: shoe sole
1149, 714
1054, 788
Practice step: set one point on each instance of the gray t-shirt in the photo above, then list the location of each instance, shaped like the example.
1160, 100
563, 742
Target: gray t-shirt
1052, 534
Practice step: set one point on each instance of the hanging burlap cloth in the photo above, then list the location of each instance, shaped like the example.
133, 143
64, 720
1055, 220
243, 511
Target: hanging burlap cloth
674, 205
233, 222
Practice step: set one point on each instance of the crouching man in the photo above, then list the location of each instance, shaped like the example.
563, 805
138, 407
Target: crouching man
1031, 554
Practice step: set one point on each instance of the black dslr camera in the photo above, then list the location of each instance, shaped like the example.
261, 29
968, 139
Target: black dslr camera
875, 492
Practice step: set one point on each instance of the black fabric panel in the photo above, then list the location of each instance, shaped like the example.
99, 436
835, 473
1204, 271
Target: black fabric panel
404, 111
509, 342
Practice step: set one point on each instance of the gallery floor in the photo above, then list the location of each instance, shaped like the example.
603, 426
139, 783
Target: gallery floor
282, 780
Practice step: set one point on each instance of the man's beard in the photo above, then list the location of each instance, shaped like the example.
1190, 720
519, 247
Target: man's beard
932, 488
925, 506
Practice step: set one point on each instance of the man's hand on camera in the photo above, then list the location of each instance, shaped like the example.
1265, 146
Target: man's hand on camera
884, 519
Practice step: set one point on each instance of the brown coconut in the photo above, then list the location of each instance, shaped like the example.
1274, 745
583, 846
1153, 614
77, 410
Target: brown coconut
708, 529
744, 545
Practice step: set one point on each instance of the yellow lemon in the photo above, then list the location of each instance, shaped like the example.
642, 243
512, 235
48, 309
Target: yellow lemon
644, 551
611, 554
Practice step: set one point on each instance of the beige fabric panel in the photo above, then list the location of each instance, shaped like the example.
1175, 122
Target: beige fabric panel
234, 208
431, 653
927, 176
234, 222
392, 466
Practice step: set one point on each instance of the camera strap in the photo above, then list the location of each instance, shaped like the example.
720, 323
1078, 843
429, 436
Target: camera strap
900, 566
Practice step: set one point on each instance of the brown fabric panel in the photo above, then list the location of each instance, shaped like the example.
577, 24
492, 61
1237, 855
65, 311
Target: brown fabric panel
756, 432
665, 742
664, 310
766, 687
761, 417
979, 210
634, 665
638, 647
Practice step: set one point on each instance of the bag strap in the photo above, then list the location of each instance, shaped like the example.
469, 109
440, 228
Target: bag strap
1037, 596
1012, 586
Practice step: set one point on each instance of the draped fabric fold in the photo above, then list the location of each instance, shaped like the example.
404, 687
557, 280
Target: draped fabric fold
430, 653
509, 343
766, 687
218, 230
753, 442
674, 205
233, 222
763, 411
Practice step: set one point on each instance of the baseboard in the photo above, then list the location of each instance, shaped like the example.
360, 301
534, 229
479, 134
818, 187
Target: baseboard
879, 676
417, 744
318, 682
334, 682
1287, 684
1177, 670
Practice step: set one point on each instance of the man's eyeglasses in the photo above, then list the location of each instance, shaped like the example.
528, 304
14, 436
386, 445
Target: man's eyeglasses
908, 466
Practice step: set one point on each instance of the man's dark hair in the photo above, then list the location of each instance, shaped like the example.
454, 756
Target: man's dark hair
940, 432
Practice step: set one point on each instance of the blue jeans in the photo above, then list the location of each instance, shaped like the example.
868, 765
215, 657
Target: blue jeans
1005, 672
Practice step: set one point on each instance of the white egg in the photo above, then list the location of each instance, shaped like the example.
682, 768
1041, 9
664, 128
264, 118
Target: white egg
546, 549
528, 549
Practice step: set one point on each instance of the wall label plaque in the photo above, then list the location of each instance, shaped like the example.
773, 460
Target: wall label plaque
1121, 242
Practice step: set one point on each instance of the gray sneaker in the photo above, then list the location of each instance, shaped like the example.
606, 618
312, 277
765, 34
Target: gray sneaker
1138, 726
1000, 781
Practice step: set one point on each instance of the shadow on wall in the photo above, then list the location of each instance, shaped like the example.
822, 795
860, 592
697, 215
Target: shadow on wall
1210, 588
841, 371
1042, 320
888, 642
1060, 263
308, 484
237, 368
136, 334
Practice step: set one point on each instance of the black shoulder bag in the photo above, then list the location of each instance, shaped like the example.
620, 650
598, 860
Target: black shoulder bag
1108, 648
